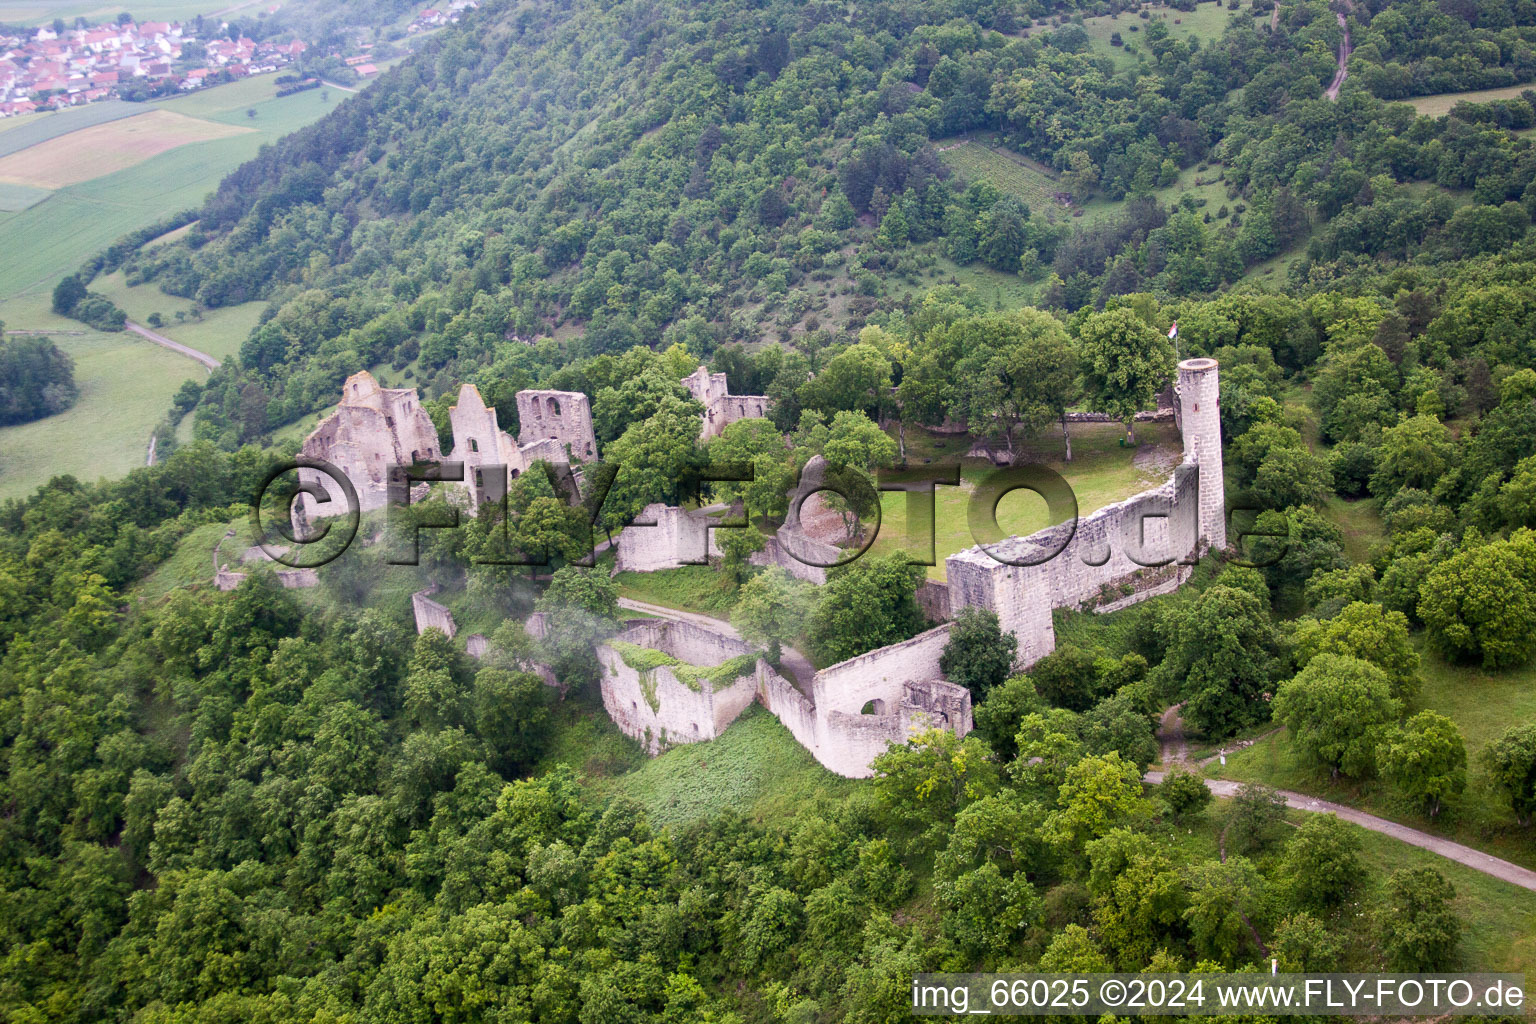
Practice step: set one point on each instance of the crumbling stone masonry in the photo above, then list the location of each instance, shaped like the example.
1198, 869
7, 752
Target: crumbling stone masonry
430, 614
479, 443
561, 416
721, 408
665, 705
857, 708
665, 537
371, 431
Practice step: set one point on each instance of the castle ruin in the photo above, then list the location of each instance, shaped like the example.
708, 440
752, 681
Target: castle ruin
854, 709
480, 444
373, 430
1123, 553
849, 713
564, 417
721, 408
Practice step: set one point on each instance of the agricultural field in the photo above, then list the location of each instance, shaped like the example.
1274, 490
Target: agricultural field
17, 133
15, 198
40, 12
126, 382
56, 235
1483, 705
1101, 473
102, 149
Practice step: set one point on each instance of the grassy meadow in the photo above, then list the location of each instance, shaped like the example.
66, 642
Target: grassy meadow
126, 384
1101, 472
1483, 705
219, 332
981, 156
1440, 104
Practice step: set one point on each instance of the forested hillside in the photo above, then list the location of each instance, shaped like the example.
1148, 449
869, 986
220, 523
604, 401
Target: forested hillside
642, 174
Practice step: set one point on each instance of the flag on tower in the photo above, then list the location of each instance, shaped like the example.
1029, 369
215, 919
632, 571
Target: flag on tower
1173, 332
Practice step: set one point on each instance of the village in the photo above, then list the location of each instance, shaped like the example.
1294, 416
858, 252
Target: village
48, 69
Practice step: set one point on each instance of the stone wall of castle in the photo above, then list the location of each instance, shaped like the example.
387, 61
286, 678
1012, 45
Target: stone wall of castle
561, 416
431, 615
721, 408
664, 537
1120, 554
660, 710
372, 430
899, 684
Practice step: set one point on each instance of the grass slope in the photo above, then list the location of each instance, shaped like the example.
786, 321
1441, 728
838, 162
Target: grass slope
755, 768
1482, 705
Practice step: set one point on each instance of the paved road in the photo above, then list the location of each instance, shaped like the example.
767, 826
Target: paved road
796, 664
175, 346
1176, 751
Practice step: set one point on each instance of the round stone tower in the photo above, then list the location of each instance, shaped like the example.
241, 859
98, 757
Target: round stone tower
1199, 391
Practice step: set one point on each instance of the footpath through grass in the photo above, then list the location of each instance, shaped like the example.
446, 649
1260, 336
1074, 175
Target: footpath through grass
1483, 706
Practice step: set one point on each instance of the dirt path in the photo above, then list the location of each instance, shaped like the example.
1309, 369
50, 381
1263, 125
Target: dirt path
1170, 737
175, 346
1274, 19
334, 85
149, 460
1345, 49
796, 664
1175, 750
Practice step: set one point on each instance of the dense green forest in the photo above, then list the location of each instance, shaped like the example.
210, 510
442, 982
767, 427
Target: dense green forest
272, 805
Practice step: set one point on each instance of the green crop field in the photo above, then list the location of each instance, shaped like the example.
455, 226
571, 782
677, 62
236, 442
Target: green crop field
126, 382
40, 12
1482, 705
1101, 473
1440, 104
15, 198
56, 235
